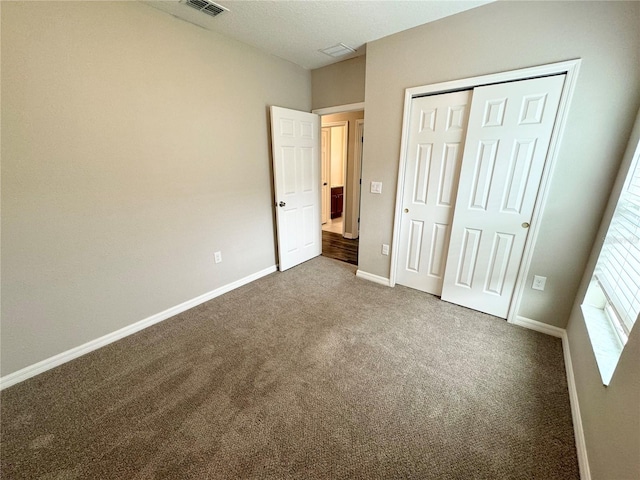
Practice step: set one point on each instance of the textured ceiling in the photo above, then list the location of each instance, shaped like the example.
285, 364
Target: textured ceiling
296, 30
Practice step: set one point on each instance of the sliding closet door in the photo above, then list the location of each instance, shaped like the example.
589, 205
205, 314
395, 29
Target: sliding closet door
507, 140
436, 135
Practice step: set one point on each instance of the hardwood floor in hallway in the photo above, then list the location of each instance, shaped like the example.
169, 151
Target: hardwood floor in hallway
336, 246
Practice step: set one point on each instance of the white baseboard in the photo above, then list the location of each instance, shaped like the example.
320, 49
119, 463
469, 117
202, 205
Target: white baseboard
578, 432
373, 278
51, 362
349, 236
539, 326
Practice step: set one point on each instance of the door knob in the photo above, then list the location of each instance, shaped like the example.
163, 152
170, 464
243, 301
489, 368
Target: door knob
525, 225
406, 210
282, 204
324, 184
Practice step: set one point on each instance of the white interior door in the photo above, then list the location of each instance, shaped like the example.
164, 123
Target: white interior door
296, 168
326, 166
432, 168
510, 126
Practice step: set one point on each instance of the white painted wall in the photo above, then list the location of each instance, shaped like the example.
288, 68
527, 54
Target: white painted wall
134, 145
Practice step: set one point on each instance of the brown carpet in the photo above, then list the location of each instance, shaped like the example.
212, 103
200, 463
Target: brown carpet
307, 374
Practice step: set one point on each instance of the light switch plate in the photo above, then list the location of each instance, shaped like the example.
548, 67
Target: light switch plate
538, 282
376, 187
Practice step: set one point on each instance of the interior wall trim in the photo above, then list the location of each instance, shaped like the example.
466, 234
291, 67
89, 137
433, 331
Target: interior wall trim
539, 326
56, 360
578, 431
350, 107
59, 359
373, 278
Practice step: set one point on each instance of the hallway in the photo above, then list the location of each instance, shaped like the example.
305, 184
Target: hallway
334, 245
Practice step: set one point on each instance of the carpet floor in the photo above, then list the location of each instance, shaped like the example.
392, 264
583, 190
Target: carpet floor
310, 373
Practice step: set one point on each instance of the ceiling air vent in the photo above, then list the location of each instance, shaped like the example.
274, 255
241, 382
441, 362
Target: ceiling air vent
207, 7
339, 50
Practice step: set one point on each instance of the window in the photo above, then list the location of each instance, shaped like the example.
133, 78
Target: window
612, 303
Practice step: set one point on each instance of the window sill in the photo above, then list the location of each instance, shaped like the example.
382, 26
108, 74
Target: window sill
604, 340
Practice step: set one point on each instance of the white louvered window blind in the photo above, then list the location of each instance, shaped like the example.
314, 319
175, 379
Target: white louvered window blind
618, 269
612, 303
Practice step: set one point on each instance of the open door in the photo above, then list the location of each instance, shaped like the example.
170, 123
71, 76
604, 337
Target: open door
296, 169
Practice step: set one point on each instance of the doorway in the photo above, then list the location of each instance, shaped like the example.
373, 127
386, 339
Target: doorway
334, 155
342, 136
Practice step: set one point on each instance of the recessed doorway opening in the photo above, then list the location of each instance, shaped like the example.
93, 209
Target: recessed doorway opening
342, 134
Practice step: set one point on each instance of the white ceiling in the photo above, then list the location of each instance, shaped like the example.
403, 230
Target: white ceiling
296, 30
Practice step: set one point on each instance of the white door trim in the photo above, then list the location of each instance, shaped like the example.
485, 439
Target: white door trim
350, 107
357, 178
570, 68
325, 165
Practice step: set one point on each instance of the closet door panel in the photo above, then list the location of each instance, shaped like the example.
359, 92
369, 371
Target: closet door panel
432, 169
507, 141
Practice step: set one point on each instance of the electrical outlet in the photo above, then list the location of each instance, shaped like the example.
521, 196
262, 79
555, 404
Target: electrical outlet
385, 249
217, 257
538, 282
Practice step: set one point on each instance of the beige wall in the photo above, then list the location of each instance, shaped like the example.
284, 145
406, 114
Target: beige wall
134, 145
610, 415
505, 36
352, 186
339, 84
